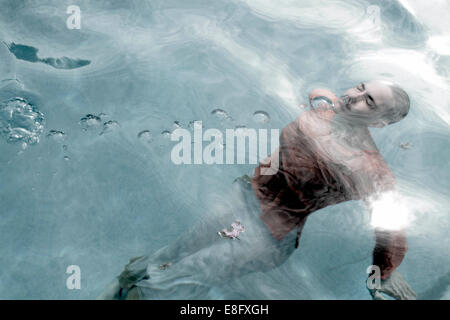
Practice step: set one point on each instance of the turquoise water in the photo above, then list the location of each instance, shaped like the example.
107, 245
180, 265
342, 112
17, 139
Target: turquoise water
86, 174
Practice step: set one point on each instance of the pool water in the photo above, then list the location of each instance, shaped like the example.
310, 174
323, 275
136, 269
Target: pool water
86, 117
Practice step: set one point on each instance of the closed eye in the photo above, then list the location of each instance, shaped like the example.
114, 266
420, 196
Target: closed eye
370, 102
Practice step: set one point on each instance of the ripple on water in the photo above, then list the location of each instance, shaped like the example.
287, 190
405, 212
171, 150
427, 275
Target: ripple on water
20, 121
261, 117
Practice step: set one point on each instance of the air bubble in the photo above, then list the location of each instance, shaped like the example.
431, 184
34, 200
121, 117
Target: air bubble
220, 114
20, 121
145, 136
56, 135
110, 126
90, 121
166, 134
177, 125
261, 117
406, 145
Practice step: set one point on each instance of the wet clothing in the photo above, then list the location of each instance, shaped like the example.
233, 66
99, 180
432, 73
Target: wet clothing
200, 258
270, 207
305, 183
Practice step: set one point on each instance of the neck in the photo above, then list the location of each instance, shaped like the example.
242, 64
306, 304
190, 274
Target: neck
347, 124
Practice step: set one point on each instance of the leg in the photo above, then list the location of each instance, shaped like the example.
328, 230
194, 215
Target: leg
240, 201
200, 257
223, 261
220, 260
200, 235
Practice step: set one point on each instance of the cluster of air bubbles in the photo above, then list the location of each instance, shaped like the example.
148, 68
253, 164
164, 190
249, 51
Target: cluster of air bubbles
20, 122
147, 137
261, 117
96, 122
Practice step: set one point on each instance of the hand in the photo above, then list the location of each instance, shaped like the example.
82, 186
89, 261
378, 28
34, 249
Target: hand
394, 286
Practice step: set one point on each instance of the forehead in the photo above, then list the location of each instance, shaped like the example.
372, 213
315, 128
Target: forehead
380, 92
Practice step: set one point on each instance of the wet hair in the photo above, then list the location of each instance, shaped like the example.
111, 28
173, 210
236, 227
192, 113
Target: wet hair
400, 107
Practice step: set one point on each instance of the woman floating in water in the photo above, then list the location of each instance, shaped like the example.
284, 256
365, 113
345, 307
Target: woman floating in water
326, 156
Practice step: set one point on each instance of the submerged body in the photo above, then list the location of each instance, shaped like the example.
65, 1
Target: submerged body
326, 156
318, 169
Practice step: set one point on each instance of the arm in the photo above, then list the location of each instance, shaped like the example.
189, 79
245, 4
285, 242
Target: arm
390, 249
390, 234
388, 215
389, 252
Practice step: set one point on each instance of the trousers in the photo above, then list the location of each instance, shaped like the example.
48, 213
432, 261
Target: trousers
200, 258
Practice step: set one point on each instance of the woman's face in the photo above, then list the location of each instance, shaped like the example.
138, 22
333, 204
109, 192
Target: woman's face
366, 103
